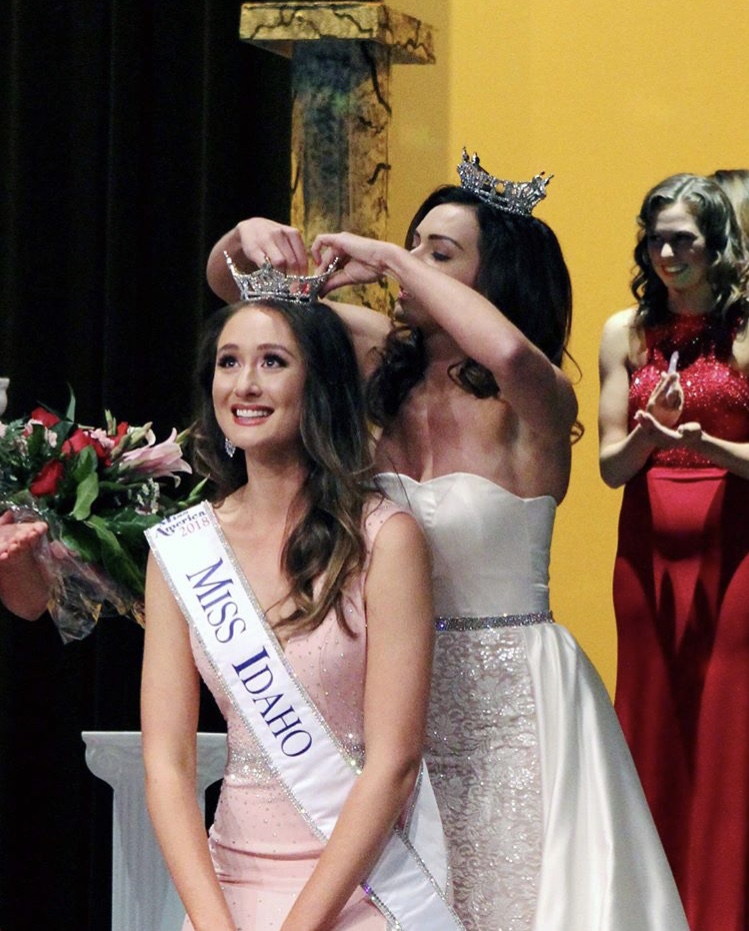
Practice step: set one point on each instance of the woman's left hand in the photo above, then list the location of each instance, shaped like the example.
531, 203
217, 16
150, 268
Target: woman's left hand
666, 402
691, 433
361, 260
18, 538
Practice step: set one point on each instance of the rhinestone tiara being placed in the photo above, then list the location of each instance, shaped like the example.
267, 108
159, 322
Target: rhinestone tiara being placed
267, 283
518, 197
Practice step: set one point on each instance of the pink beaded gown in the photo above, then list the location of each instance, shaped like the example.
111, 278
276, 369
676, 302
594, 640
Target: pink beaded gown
681, 594
262, 850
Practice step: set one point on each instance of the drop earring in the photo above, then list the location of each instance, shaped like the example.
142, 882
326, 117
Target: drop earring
229, 447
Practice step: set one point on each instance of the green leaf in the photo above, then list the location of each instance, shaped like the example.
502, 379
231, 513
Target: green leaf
107, 486
80, 540
70, 412
120, 565
86, 463
170, 505
130, 526
86, 493
86, 481
196, 495
38, 444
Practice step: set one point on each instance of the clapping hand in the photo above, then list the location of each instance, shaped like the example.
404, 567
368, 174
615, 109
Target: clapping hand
685, 435
18, 538
666, 401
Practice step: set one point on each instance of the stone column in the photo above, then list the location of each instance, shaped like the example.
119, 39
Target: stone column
143, 897
341, 57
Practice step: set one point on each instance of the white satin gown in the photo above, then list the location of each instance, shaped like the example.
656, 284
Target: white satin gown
547, 826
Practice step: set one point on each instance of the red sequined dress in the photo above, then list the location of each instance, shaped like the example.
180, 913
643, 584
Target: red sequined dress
681, 595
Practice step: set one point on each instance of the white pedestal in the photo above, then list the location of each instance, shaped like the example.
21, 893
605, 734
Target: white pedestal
143, 896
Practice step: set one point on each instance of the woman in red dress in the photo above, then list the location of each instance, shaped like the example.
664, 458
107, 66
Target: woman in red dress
674, 428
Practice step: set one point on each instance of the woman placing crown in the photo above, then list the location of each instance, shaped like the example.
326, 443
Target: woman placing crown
546, 823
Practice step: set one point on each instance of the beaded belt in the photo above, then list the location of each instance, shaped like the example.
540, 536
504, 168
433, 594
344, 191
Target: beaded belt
496, 620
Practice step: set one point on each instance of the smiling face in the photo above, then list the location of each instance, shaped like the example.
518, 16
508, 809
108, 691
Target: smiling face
258, 384
448, 240
676, 249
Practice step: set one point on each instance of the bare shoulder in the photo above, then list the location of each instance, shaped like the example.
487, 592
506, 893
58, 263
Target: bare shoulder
399, 534
619, 323
741, 350
618, 336
397, 588
399, 551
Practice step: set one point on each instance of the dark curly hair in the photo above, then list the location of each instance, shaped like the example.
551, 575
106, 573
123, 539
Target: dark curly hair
521, 271
327, 542
727, 271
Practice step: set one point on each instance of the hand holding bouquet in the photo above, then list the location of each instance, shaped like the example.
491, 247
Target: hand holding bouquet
97, 489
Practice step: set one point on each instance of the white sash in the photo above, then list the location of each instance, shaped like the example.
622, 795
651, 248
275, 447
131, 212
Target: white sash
302, 752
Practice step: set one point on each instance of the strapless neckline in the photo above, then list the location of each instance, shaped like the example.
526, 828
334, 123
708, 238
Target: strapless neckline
460, 476
490, 548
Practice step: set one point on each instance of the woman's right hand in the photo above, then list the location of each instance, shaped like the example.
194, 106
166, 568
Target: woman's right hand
249, 244
659, 435
259, 239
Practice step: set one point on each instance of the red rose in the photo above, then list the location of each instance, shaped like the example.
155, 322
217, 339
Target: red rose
75, 442
43, 416
78, 440
120, 431
101, 453
48, 478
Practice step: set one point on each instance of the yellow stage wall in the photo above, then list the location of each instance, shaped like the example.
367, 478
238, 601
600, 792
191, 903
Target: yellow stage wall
610, 97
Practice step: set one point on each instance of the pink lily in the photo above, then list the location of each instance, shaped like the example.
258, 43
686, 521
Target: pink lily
155, 461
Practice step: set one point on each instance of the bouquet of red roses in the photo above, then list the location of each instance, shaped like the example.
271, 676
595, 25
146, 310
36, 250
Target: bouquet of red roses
98, 489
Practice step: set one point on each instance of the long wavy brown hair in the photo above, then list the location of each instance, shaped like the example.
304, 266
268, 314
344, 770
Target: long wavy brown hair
727, 273
325, 549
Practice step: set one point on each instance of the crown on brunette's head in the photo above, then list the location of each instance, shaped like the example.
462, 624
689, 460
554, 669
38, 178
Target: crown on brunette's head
519, 197
267, 283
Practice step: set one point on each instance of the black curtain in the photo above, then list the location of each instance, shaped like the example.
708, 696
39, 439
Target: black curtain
133, 133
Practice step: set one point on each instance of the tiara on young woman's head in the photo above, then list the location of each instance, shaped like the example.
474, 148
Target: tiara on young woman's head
268, 283
518, 197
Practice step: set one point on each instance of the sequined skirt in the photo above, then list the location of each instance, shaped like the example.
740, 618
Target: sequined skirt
483, 758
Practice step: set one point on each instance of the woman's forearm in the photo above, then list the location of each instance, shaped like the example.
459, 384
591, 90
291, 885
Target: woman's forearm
621, 461
217, 271
478, 326
366, 820
180, 830
734, 457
